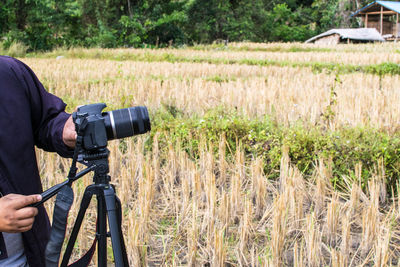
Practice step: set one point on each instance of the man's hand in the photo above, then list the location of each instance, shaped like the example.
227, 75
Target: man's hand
15, 216
69, 133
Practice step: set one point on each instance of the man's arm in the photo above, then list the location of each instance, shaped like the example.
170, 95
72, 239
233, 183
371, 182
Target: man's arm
53, 127
15, 216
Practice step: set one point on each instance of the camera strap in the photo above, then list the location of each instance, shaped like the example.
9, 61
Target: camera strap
62, 206
57, 234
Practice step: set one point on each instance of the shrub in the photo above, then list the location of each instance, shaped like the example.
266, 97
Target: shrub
17, 49
346, 147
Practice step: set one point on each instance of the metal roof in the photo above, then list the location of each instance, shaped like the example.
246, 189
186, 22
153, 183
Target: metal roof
392, 5
362, 34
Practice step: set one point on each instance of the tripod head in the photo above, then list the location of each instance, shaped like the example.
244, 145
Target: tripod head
91, 144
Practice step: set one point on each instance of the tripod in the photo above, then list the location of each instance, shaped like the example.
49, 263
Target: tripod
93, 129
108, 207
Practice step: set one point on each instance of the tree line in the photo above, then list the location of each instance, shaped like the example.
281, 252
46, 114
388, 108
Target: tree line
46, 24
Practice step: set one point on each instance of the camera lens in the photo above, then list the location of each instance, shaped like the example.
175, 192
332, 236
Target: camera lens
126, 122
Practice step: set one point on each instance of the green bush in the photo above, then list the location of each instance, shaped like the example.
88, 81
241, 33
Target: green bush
17, 49
131, 32
14, 49
264, 138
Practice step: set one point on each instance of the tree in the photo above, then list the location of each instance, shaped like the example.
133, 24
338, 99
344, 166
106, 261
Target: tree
46, 24
208, 20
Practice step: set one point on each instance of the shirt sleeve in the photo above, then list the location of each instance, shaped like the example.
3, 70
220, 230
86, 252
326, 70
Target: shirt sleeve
47, 113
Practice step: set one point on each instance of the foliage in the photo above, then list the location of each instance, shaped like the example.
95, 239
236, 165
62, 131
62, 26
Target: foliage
286, 25
46, 24
263, 138
15, 49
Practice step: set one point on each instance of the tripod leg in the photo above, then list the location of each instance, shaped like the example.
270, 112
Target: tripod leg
78, 222
101, 231
119, 209
116, 237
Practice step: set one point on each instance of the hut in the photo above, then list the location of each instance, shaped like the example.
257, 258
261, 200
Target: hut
336, 36
383, 16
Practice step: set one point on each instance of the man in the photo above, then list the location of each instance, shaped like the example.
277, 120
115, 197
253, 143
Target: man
29, 117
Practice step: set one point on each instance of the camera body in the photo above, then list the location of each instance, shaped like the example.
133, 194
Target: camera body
96, 127
89, 123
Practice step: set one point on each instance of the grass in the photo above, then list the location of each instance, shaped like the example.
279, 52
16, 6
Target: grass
263, 138
287, 95
15, 49
377, 65
292, 163
187, 211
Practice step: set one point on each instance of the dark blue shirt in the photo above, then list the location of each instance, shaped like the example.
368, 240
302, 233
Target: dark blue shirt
29, 117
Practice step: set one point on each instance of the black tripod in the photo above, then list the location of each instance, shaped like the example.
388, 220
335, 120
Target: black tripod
108, 206
94, 129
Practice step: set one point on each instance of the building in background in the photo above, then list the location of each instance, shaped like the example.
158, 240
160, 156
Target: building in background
337, 36
383, 16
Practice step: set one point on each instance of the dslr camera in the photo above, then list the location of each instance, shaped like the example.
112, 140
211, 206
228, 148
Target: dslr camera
97, 127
